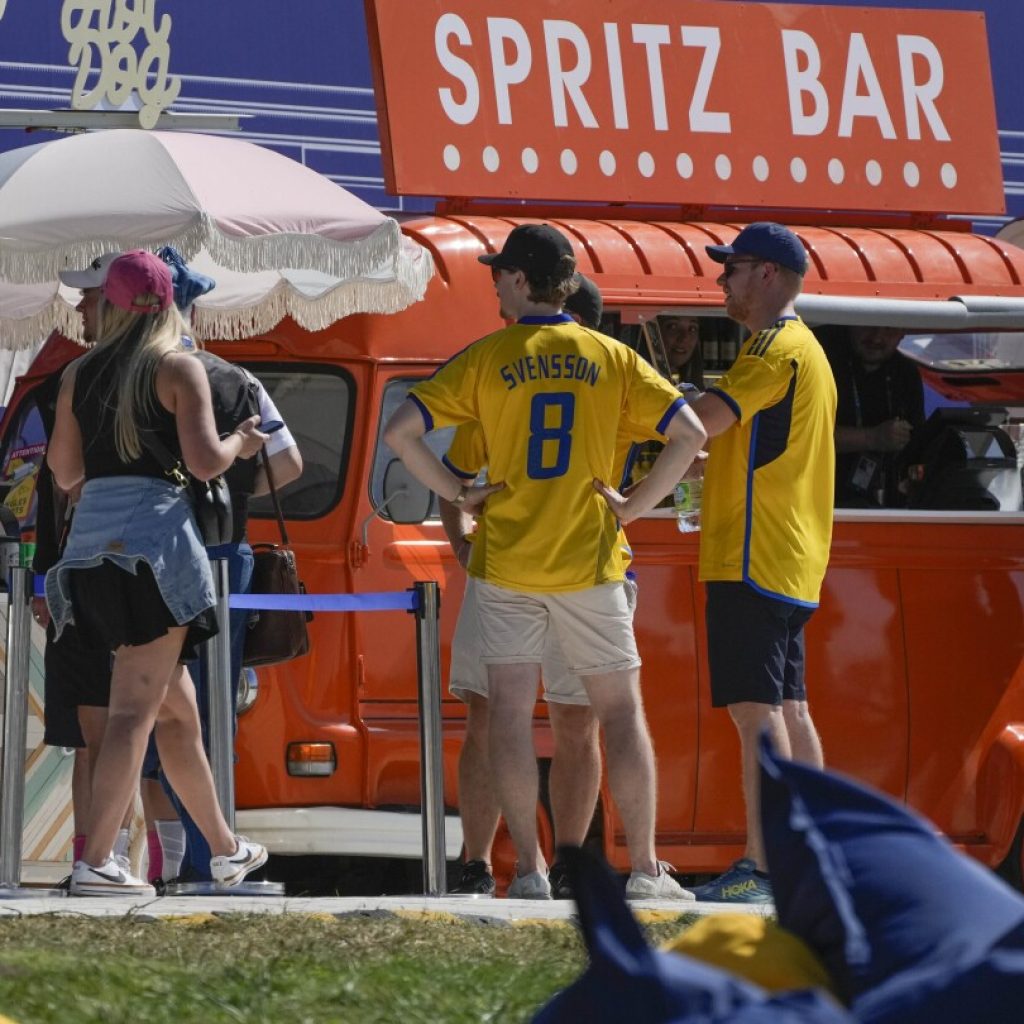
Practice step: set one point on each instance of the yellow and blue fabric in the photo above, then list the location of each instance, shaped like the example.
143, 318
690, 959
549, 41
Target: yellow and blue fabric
769, 482
756, 949
911, 930
627, 980
546, 392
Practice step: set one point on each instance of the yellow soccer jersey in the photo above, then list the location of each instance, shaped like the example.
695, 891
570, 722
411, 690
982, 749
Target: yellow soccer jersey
467, 455
769, 486
550, 397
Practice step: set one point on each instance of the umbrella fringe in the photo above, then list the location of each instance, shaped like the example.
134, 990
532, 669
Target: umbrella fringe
31, 330
356, 258
316, 314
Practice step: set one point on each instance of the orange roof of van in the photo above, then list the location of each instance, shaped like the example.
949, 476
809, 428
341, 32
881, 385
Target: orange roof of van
662, 262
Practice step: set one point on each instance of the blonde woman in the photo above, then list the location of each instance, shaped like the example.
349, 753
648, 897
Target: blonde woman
134, 577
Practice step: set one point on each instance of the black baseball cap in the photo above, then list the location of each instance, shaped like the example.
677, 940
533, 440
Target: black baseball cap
586, 303
768, 241
537, 248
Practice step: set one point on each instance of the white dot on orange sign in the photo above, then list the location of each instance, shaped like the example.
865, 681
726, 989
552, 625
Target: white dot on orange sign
836, 171
491, 159
948, 175
798, 169
452, 157
530, 160
911, 174
723, 167
760, 168
645, 164
873, 172
684, 165
568, 161
606, 161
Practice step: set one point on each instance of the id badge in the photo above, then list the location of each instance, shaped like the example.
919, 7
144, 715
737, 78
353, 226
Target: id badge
864, 473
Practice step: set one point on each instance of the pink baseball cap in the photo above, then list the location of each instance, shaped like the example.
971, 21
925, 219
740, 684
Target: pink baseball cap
137, 273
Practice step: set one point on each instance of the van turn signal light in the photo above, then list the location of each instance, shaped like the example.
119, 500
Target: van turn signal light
311, 759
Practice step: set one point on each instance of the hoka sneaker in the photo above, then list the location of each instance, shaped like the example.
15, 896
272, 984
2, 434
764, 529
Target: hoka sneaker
229, 870
740, 884
559, 879
109, 879
661, 886
476, 880
534, 886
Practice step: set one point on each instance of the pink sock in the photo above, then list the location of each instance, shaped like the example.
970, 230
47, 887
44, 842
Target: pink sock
156, 855
77, 846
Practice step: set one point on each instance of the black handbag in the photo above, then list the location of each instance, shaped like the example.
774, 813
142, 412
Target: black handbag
210, 499
275, 636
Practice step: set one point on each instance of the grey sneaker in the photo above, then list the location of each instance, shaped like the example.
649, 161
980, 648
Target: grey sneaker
534, 886
109, 879
661, 886
231, 869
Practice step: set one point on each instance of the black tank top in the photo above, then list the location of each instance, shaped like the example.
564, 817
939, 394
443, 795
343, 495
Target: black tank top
94, 406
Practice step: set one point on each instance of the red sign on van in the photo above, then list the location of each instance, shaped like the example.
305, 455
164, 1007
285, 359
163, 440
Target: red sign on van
693, 102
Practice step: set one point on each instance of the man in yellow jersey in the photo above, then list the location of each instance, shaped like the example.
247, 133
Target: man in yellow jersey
575, 774
766, 518
549, 395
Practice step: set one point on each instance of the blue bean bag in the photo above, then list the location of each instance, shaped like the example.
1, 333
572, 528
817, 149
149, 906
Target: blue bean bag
911, 930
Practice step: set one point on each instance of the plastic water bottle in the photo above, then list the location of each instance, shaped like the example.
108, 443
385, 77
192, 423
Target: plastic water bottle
687, 504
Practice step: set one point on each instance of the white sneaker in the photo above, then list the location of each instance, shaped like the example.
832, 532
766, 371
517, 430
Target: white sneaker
661, 886
534, 886
230, 869
109, 879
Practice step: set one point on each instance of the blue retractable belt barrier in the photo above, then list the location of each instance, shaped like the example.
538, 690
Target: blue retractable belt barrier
394, 601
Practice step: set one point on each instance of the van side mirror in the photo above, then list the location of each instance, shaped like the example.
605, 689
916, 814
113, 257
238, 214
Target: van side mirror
405, 498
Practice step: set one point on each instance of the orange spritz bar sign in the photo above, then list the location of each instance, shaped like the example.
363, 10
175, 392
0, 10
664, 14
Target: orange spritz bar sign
690, 102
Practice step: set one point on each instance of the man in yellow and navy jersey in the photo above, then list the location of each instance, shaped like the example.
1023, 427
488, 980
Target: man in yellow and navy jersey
550, 396
767, 518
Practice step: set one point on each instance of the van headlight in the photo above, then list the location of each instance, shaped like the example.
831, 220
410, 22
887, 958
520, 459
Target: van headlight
248, 690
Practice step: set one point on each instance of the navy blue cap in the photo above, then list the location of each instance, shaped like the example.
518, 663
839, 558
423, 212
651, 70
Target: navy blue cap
536, 248
586, 303
767, 240
189, 284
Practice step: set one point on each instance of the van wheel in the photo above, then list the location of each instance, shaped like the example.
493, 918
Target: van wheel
1012, 869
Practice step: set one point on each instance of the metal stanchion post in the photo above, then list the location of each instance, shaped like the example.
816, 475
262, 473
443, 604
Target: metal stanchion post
220, 714
12, 780
428, 658
216, 656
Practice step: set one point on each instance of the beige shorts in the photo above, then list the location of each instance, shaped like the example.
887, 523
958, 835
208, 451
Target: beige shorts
593, 627
469, 674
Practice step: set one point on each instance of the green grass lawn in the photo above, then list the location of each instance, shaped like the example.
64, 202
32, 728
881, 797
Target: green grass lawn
289, 969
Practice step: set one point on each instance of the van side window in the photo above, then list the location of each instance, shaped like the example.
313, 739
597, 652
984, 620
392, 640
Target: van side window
438, 440
317, 404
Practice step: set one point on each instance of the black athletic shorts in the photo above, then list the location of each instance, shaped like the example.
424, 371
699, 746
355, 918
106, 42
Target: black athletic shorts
74, 674
755, 646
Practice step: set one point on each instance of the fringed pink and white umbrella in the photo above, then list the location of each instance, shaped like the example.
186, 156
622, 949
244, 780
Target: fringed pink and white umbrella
280, 238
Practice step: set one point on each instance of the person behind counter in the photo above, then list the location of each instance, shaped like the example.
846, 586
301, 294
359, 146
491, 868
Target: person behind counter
681, 337
881, 402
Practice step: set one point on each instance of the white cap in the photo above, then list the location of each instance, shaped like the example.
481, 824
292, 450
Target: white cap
93, 276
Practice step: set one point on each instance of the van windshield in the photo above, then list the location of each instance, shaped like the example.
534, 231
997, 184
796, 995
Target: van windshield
316, 402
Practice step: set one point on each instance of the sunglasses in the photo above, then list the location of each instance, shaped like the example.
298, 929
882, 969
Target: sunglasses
730, 265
